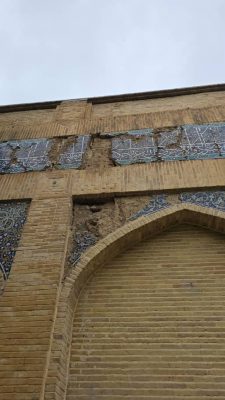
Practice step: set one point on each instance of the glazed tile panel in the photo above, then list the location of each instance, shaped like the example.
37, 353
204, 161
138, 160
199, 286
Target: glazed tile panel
24, 155
187, 142
12, 218
205, 199
82, 241
136, 148
214, 199
72, 156
35, 155
156, 203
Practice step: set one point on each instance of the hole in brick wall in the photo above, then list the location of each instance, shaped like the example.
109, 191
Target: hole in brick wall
96, 217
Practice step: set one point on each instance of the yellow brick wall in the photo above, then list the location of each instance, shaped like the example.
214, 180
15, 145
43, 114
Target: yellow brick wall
28, 305
35, 325
150, 324
80, 117
201, 100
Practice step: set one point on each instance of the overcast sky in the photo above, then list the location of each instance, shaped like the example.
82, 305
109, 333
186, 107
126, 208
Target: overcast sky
61, 49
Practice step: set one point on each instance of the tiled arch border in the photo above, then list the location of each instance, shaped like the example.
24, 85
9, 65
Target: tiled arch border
55, 380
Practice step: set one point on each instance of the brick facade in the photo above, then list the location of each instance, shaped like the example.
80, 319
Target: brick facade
84, 198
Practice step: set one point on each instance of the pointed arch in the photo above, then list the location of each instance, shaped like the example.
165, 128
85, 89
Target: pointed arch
107, 248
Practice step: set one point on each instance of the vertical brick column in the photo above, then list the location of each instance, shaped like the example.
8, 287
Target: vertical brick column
29, 304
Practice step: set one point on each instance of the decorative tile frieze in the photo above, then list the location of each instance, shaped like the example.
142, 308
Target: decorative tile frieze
82, 241
137, 147
72, 156
169, 146
206, 199
204, 141
24, 155
187, 142
85, 239
12, 218
40, 154
155, 204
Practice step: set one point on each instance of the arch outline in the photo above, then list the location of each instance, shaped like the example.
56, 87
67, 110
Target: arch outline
120, 240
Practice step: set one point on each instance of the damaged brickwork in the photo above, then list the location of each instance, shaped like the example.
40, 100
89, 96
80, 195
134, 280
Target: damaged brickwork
93, 220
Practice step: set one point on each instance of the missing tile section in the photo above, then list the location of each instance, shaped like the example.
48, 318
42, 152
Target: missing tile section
72, 152
12, 218
98, 155
95, 219
92, 221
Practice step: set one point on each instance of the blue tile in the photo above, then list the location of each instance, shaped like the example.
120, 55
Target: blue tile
72, 156
156, 203
212, 199
82, 241
24, 155
12, 218
138, 147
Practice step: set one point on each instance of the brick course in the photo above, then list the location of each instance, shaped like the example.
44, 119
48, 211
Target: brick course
150, 324
38, 304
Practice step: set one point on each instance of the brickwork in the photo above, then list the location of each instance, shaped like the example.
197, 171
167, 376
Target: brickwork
114, 244
39, 301
155, 105
131, 179
94, 220
150, 323
28, 305
79, 118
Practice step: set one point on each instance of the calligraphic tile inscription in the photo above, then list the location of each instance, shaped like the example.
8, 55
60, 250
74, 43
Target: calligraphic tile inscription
136, 147
72, 156
186, 142
24, 155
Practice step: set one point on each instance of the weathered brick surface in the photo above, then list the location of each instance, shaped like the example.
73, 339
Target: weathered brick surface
150, 324
114, 244
155, 105
79, 117
37, 306
27, 307
131, 179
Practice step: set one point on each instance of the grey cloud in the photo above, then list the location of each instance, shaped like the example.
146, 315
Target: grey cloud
80, 48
